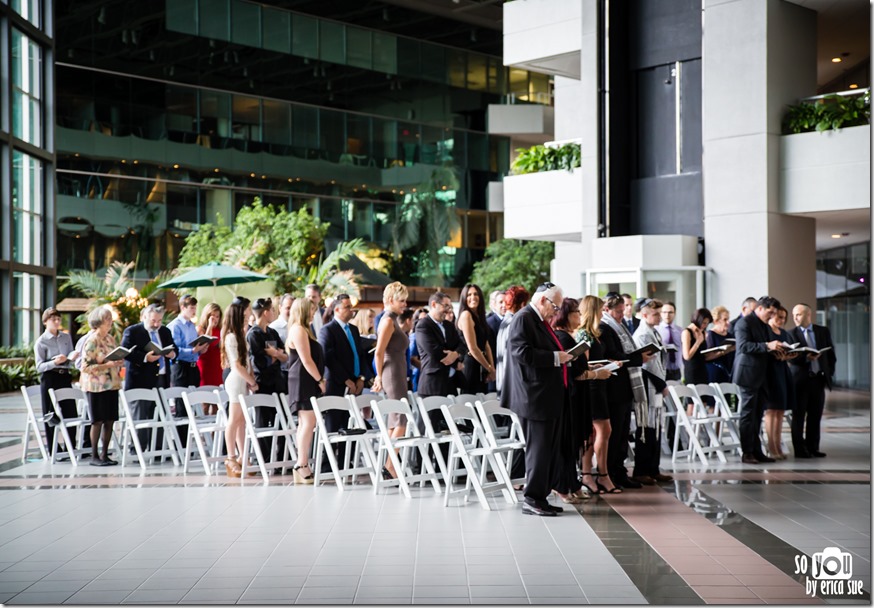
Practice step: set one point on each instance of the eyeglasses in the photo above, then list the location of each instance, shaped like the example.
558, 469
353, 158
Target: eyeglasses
554, 307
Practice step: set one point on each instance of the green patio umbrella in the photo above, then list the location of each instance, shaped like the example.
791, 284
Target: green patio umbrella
214, 274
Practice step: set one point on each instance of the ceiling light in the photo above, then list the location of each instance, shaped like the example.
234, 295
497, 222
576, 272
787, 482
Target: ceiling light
175, 166
836, 59
854, 86
841, 235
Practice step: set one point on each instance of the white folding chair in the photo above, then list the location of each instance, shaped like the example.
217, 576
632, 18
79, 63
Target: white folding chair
699, 420
478, 458
32, 398
467, 399
398, 449
82, 419
157, 425
729, 408
171, 401
505, 447
290, 423
426, 405
726, 433
280, 456
207, 431
359, 458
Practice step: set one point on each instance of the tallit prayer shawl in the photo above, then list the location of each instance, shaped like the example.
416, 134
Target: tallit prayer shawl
635, 375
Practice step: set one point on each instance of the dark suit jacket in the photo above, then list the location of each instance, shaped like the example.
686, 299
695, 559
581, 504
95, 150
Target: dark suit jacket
800, 366
339, 358
752, 362
434, 376
533, 385
618, 386
139, 373
494, 323
635, 323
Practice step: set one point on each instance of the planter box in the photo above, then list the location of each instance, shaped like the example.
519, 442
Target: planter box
544, 36
544, 206
828, 171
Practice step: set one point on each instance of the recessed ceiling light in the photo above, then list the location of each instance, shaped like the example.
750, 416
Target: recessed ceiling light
836, 60
854, 86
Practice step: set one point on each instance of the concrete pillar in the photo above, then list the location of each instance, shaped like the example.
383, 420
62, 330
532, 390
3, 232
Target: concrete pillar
758, 56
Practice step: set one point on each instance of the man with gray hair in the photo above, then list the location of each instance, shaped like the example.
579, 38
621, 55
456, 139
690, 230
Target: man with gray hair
536, 387
144, 369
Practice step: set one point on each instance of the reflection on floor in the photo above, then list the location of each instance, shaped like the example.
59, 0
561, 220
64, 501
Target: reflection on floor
728, 534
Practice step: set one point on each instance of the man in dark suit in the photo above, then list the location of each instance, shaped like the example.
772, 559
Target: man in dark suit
746, 308
441, 351
493, 321
313, 293
812, 374
630, 322
751, 368
535, 386
144, 369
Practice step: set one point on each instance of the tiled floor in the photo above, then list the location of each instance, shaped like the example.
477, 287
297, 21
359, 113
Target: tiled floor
728, 534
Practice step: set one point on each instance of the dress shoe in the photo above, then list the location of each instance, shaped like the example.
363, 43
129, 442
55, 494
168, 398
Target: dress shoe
644, 480
533, 510
765, 459
628, 483
554, 509
749, 459
802, 454
96, 462
110, 462
818, 454
662, 477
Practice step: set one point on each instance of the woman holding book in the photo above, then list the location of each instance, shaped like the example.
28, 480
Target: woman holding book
101, 381
210, 361
719, 367
781, 387
693, 339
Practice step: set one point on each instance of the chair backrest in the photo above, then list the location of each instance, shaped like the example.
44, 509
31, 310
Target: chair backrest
487, 410
210, 387
168, 395
722, 390
62, 394
363, 400
286, 410
391, 406
33, 398
249, 403
198, 397
493, 396
466, 413
331, 402
674, 383
704, 390
140, 394
429, 404
467, 398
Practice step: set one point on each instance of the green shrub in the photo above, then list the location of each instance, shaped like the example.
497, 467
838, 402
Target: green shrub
540, 158
13, 377
832, 112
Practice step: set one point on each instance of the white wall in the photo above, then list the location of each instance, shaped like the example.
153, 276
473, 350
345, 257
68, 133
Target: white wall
544, 33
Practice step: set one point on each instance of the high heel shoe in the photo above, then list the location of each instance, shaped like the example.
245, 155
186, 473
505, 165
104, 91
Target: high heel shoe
593, 492
386, 474
568, 499
232, 468
602, 489
253, 470
300, 477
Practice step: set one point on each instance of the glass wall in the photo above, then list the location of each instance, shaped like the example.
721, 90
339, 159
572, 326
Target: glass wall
250, 24
26, 200
843, 304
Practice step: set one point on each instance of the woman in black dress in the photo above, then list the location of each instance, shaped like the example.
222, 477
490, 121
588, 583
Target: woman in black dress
575, 424
590, 319
781, 387
306, 379
693, 337
479, 364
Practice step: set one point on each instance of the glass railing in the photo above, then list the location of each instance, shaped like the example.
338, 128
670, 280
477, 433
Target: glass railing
315, 38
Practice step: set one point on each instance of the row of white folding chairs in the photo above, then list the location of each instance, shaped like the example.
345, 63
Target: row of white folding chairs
707, 432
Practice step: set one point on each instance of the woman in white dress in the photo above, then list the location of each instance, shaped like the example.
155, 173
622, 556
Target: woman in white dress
240, 380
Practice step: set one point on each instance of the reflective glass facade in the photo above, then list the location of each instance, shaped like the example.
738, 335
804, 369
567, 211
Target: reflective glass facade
27, 274
167, 117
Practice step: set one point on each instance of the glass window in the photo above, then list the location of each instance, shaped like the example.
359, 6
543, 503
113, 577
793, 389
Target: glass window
305, 132
26, 89
304, 36
215, 117
383, 220
359, 219
385, 53
277, 122
27, 209
477, 69
181, 114
332, 129
246, 118
359, 51
246, 23
27, 301
277, 30
433, 63
182, 16
457, 69
478, 151
30, 10
408, 57
215, 19
332, 42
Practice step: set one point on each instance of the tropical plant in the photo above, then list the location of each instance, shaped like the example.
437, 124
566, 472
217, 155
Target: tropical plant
16, 352
513, 262
117, 289
543, 158
206, 244
13, 377
293, 278
831, 112
426, 221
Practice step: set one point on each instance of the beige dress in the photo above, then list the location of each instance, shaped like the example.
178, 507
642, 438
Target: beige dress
394, 369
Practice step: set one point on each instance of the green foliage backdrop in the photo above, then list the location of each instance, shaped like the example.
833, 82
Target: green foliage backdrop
514, 262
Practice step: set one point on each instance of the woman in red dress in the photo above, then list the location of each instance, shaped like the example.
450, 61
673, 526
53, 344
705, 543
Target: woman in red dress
210, 362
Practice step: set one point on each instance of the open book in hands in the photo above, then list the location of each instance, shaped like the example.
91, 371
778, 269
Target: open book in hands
157, 349
579, 348
809, 350
718, 349
119, 353
204, 339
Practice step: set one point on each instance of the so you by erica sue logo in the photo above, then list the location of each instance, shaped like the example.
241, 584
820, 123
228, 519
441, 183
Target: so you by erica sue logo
828, 573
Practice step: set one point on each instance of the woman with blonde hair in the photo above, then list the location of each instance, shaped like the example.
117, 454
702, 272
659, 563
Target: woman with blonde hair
306, 379
590, 320
240, 380
390, 359
209, 363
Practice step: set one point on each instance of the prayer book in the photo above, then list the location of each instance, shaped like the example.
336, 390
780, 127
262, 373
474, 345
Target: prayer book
119, 353
204, 339
578, 349
157, 349
809, 349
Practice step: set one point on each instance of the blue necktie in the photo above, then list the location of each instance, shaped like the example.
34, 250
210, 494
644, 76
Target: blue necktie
157, 341
356, 367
